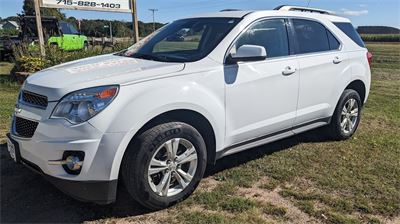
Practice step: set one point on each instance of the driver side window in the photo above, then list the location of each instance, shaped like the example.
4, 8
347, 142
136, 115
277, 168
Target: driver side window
270, 34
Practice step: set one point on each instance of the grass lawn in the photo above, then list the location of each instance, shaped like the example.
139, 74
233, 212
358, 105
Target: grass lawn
8, 96
301, 179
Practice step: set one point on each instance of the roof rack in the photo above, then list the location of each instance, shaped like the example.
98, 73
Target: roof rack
229, 10
303, 9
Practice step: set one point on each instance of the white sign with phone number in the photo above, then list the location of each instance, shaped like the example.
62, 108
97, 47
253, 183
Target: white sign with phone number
97, 5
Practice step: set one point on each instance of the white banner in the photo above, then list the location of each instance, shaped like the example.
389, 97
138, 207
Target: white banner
97, 5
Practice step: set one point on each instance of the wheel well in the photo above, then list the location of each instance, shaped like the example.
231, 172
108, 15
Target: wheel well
195, 119
359, 87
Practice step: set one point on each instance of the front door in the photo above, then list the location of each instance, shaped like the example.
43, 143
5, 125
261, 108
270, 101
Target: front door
261, 96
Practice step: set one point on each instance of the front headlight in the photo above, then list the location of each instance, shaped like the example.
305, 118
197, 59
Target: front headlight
81, 105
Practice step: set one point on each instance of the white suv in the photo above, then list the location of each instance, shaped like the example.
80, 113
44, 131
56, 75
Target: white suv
201, 88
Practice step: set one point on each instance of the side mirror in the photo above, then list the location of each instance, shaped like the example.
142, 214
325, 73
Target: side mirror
248, 53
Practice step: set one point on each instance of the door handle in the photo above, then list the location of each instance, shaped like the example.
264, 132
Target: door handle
288, 70
336, 60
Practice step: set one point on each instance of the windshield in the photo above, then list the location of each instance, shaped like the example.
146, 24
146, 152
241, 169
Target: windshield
183, 40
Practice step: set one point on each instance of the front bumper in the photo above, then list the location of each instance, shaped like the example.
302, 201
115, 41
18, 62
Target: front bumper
97, 181
48, 140
100, 192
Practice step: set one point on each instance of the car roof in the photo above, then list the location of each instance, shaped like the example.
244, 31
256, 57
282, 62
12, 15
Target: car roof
267, 13
223, 14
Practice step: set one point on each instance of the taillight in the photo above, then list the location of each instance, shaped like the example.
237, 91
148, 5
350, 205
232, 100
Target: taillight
369, 57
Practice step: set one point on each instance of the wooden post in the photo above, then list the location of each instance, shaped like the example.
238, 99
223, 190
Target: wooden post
39, 27
135, 21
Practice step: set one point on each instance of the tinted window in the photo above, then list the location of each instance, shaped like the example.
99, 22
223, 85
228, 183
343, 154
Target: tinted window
65, 28
310, 36
183, 40
271, 34
334, 44
349, 30
72, 29
68, 28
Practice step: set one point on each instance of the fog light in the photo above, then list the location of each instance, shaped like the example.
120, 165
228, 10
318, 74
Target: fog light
72, 162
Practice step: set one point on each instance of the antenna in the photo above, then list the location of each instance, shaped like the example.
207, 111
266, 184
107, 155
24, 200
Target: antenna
154, 23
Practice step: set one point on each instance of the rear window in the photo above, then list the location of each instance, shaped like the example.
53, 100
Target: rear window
334, 44
349, 30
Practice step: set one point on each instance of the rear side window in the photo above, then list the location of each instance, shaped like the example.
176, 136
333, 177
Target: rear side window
271, 34
349, 30
311, 36
334, 44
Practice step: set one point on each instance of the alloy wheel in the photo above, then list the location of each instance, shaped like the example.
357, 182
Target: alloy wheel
349, 116
172, 167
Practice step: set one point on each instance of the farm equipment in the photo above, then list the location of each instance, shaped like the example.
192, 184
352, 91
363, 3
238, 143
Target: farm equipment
56, 34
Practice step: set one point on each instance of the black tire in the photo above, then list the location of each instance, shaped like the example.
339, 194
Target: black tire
134, 168
86, 46
53, 45
334, 129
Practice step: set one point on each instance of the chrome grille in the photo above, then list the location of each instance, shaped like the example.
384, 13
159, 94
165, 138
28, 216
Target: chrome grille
33, 99
25, 128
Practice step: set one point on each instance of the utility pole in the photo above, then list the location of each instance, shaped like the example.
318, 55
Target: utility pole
154, 22
135, 21
111, 35
39, 27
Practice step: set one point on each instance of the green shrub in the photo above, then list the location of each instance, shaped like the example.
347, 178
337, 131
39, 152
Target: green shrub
28, 59
31, 64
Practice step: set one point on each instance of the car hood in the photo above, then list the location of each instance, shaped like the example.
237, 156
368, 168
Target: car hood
59, 80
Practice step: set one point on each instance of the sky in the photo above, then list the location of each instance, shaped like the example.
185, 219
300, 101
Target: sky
361, 12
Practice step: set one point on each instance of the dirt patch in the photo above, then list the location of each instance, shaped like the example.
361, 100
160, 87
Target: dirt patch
293, 213
208, 184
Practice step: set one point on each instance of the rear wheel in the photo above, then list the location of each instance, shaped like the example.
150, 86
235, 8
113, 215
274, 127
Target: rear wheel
86, 46
164, 164
346, 117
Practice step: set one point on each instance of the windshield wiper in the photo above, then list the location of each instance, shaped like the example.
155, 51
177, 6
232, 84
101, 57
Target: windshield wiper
159, 57
146, 57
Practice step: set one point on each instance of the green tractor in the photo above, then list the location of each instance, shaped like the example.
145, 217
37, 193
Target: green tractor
69, 38
60, 34
56, 33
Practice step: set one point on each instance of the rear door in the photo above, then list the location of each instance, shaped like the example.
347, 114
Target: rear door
322, 63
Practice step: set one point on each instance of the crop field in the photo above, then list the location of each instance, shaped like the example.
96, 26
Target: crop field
303, 179
381, 37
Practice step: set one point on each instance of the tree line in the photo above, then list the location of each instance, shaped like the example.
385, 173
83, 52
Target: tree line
95, 28
377, 30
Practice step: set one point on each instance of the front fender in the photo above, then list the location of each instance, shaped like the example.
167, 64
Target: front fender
137, 104
55, 40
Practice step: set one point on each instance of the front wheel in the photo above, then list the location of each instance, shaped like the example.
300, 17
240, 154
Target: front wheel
164, 164
346, 117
